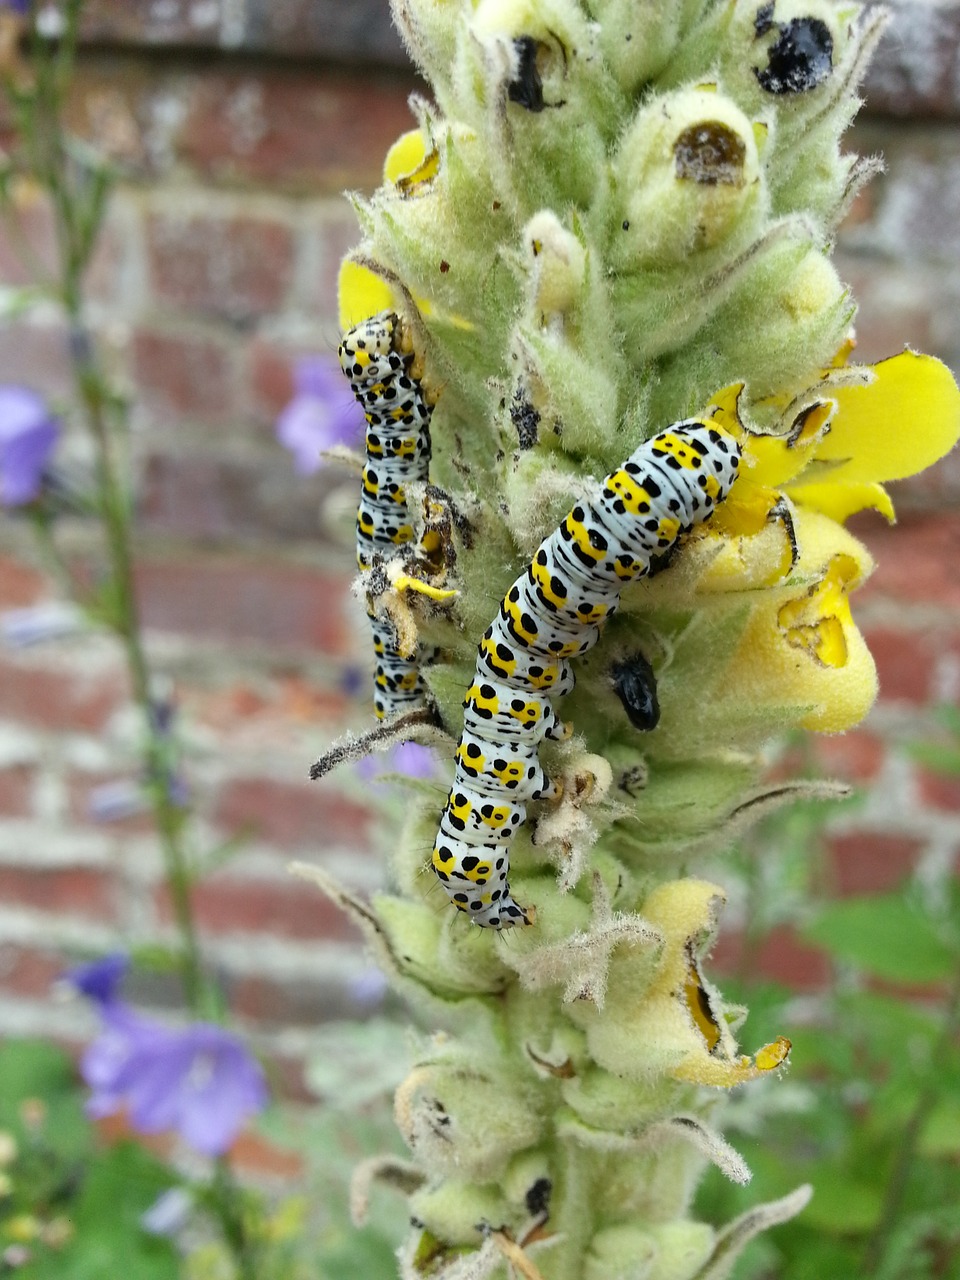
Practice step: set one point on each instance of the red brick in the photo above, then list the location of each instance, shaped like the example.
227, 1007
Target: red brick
36, 227
29, 971
184, 376
871, 861
280, 908
20, 585
271, 376
253, 1154
779, 957
270, 710
217, 499
56, 699
311, 816
296, 1002
904, 664
287, 1077
66, 891
852, 757
245, 599
939, 790
310, 132
16, 783
917, 560
237, 268
37, 356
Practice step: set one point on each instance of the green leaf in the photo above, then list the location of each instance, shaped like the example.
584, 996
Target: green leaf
843, 1202
888, 936
941, 1133
941, 758
120, 1185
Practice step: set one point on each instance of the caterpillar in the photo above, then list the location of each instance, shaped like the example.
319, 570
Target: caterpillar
554, 612
379, 362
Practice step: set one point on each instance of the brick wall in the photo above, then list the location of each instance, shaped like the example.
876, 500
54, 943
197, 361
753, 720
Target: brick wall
238, 124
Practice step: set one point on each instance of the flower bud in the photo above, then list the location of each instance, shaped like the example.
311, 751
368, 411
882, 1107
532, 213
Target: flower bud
689, 177
461, 1121
556, 263
660, 1251
457, 1210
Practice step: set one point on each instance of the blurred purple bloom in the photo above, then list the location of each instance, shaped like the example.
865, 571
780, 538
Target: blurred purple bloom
369, 988
409, 758
28, 436
18, 6
321, 414
201, 1082
99, 979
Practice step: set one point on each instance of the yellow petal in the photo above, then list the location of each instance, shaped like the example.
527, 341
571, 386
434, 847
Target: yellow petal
818, 620
361, 293
772, 461
900, 423
801, 648
407, 153
706, 1070
841, 501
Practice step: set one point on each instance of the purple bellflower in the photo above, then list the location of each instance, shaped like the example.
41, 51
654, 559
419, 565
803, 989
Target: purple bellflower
408, 758
99, 979
28, 436
201, 1082
321, 414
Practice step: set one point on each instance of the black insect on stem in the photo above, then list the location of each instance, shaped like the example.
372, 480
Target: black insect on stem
635, 685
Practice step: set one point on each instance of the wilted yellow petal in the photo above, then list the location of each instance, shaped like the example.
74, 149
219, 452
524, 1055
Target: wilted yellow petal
720, 1074
818, 620
841, 501
773, 461
361, 293
900, 423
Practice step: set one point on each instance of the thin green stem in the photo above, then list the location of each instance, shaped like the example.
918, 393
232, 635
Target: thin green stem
229, 1203
77, 193
909, 1140
105, 419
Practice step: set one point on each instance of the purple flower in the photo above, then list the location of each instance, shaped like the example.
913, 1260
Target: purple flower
321, 414
28, 435
409, 758
99, 980
202, 1082
18, 6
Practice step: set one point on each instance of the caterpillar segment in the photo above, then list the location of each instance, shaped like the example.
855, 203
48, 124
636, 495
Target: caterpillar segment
555, 611
382, 370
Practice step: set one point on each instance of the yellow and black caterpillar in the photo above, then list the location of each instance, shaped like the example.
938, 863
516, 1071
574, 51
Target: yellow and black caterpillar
380, 364
553, 612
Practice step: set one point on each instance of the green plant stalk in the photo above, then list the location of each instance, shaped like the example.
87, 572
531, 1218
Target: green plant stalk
610, 218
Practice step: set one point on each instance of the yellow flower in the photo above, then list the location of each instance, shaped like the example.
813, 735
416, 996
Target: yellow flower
675, 1024
853, 438
801, 647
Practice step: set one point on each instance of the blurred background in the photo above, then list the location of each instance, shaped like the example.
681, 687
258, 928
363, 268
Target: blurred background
238, 123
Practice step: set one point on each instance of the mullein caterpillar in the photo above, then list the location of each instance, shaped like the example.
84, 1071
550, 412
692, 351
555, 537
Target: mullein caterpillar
555, 611
376, 357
